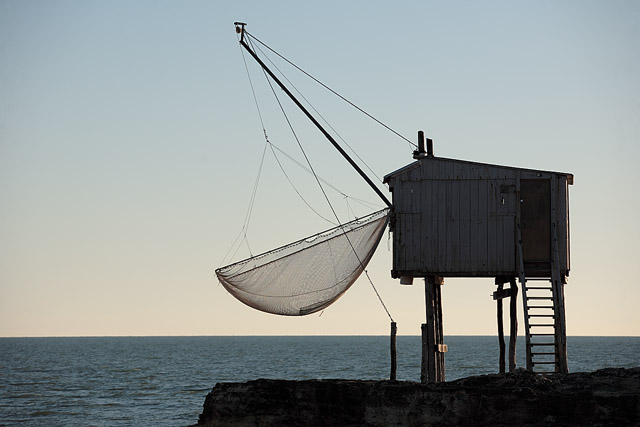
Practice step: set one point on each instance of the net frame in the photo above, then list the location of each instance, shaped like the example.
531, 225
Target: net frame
357, 240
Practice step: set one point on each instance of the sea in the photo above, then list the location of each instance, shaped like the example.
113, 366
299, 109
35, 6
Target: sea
163, 381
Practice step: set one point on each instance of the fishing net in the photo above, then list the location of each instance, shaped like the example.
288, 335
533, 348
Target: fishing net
308, 275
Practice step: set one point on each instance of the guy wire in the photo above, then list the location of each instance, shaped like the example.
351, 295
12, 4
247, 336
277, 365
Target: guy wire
327, 199
331, 90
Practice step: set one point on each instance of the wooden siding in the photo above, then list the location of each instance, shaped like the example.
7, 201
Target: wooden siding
455, 218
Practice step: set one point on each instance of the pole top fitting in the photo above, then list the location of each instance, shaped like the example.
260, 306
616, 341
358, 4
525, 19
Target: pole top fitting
240, 28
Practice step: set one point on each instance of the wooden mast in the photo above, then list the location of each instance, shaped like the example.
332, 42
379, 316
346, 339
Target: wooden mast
240, 29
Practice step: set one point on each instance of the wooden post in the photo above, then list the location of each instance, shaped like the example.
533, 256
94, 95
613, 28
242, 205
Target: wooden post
394, 363
501, 330
424, 364
441, 347
430, 291
557, 287
560, 328
513, 330
433, 348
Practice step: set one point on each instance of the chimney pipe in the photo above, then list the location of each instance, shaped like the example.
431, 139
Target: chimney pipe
429, 147
419, 153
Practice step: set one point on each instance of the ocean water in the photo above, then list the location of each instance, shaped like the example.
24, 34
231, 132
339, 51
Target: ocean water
162, 381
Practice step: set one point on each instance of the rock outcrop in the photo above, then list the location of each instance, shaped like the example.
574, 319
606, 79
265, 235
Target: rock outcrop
601, 398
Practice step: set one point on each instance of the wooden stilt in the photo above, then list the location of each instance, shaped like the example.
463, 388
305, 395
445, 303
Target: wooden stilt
394, 363
513, 330
501, 330
433, 348
424, 365
441, 348
560, 328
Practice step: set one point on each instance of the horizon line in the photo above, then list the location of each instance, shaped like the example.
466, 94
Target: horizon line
291, 335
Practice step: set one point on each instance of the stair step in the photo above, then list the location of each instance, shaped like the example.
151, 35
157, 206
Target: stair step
540, 306
539, 288
542, 335
541, 298
543, 344
540, 324
543, 363
543, 354
541, 315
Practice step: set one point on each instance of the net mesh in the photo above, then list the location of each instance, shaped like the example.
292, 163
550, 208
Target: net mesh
308, 275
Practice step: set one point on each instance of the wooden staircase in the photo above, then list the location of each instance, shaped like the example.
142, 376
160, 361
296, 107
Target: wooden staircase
544, 316
542, 341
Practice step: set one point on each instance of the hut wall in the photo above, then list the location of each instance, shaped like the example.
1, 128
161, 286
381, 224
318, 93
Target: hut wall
456, 218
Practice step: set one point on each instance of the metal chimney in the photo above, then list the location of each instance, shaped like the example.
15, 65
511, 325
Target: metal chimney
429, 147
420, 153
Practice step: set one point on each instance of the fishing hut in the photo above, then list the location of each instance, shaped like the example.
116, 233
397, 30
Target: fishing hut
456, 218
449, 218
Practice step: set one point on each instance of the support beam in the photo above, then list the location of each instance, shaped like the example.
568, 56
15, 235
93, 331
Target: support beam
433, 347
513, 330
441, 347
500, 329
394, 363
560, 328
426, 371
501, 293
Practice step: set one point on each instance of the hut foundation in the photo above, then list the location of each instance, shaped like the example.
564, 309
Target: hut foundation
433, 347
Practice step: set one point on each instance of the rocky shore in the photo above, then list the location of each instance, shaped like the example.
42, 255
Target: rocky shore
608, 397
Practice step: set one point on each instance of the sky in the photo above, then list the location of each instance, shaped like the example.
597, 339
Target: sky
130, 143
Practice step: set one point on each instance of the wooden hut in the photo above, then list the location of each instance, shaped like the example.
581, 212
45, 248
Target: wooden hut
456, 218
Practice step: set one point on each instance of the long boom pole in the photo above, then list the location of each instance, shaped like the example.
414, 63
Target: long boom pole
313, 119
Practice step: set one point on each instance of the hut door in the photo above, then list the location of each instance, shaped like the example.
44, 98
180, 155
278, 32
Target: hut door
535, 195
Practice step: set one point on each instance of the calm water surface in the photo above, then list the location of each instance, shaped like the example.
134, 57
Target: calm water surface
164, 380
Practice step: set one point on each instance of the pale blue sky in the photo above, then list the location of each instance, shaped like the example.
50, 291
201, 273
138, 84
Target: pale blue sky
129, 144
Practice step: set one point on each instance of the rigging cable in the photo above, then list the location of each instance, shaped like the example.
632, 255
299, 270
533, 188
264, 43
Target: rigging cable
268, 142
247, 218
331, 90
325, 194
346, 196
243, 232
296, 190
317, 112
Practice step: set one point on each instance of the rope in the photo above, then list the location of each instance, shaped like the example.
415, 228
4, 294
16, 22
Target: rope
331, 90
303, 167
272, 146
247, 218
245, 225
326, 197
318, 113
377, 294
296, 190
235, 246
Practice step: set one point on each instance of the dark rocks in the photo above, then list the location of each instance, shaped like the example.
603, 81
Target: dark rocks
609, 397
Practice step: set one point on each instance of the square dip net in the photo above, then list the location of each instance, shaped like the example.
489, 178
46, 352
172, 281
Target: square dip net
308, 275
